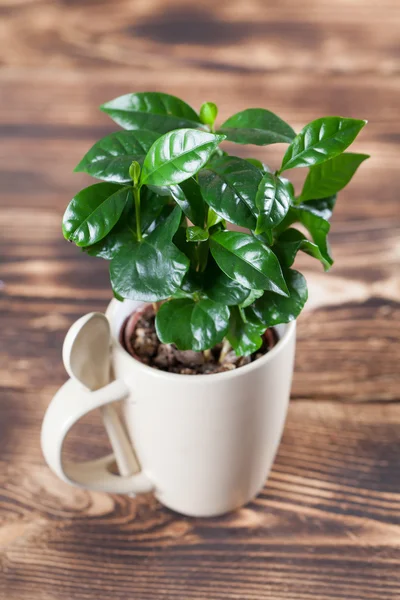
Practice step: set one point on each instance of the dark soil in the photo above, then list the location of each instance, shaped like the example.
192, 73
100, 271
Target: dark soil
139, 338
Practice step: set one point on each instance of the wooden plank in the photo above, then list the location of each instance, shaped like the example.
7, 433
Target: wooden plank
315, 36
326, 527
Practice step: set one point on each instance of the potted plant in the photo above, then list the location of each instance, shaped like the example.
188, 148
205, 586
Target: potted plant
203, 319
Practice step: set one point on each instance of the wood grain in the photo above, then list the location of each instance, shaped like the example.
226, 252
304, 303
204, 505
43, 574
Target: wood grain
327, 525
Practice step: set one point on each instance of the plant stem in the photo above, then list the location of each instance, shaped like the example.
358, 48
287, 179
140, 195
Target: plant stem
136, 195
207, 354
226, 347
202, 256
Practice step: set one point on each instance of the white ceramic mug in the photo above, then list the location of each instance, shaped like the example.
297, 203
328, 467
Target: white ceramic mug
205, 443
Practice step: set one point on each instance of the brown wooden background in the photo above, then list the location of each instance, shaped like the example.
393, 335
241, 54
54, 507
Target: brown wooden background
327, 525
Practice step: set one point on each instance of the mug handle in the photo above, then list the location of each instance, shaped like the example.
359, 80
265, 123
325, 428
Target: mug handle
70, 404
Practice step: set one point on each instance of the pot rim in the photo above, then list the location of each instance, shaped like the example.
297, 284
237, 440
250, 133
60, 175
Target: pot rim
202, 377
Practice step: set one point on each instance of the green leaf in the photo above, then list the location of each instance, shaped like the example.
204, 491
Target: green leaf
151, 110
213, 218
110, 158
208, 113
321, 140
317, 225
178, 155
290, 242
160, 190
151, 207
192, 282
247, 261
188, 195
196, 234
272, 200
190, 250
159, 218
330, 177
272, 309
124, 232
322, 207
257, 126
257, 163
221, 288
229, 185
192, 325
152, 269
216, 155
290, 218
244, 337
117, 296
252, 297
94, 211
319, 229
134, 172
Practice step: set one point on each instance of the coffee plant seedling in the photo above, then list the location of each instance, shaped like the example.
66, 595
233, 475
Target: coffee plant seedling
167, 193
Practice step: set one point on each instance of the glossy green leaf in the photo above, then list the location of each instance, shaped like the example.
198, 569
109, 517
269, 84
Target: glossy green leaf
190, 250
257, 163
216, 155
290, 218
151, 110
196, 234
188, 195
272, 200
257, 126
152, 269
244, 337
178, 155
203, 253
319, 229
229, 186
192, 325
208, 113
322, 207
320, 141
93, 212
266, 237
247, 261
159, 217
252, 297
212, 218
317, 225
221, 288
134, 172
290, 242
117, 296
160, 190
330, 177
151, 206
193, 282
110, 158
272, 309
124, 232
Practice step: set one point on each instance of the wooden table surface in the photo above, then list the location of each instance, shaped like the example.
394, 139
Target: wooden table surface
327, 525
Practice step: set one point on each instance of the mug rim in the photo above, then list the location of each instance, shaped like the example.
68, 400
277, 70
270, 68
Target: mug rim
200, 377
